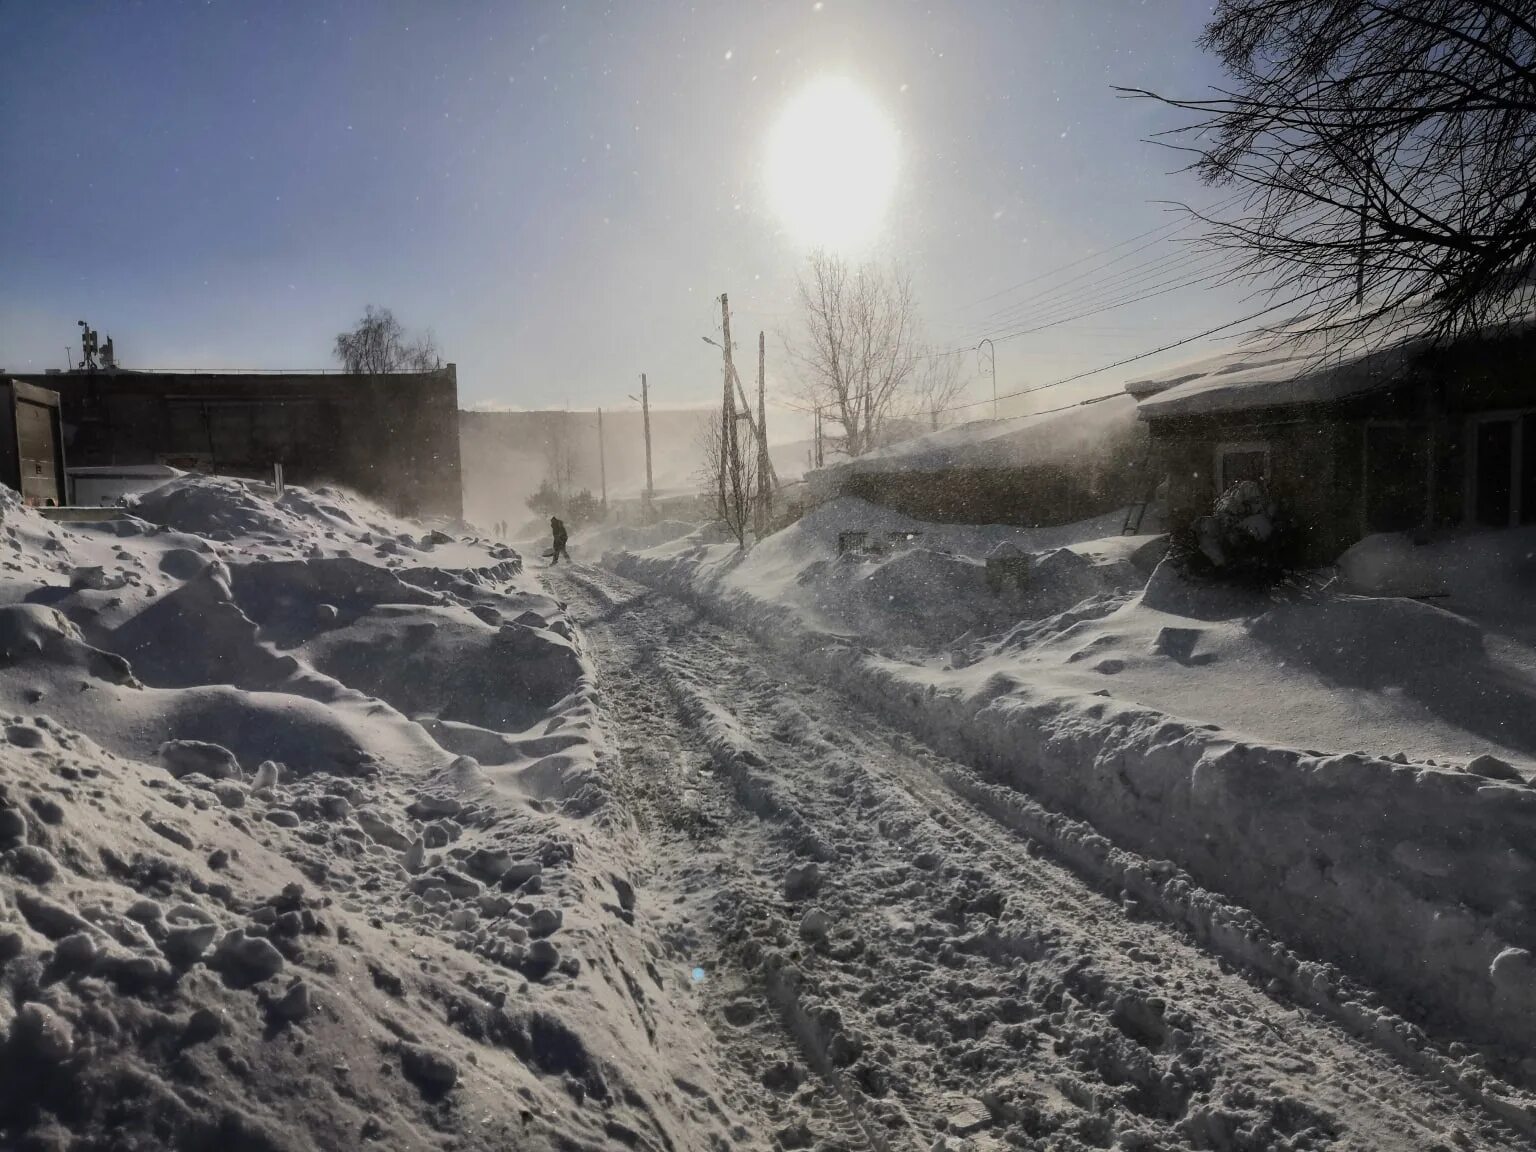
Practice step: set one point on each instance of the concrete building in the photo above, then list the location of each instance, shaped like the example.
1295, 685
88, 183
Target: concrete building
393, 438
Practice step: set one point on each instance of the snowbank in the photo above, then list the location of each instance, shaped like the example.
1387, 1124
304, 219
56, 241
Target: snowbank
1482, 573
903, 580
305, 841
1413, 873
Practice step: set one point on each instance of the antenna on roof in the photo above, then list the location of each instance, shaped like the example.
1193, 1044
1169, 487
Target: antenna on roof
88, 349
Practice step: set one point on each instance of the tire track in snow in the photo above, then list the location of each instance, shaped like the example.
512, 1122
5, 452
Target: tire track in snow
1098, 1043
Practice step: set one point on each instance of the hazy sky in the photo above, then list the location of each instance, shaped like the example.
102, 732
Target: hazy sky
561, 191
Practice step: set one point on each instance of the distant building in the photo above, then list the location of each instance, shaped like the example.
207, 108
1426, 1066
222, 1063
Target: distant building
1408, 438
393, 438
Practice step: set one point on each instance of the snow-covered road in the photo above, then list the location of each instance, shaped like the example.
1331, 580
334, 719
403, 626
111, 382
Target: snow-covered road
889, 963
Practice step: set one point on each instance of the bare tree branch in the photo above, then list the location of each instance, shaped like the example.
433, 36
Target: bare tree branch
1385, 156
378, 345
729, 478
858, 345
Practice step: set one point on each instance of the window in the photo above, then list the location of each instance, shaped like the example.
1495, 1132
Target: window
1238, 462
1503, 469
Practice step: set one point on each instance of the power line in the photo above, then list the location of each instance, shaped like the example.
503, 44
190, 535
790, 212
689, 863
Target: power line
1175, 225
1090, 372
1154, 291
1136, 274
1131, 359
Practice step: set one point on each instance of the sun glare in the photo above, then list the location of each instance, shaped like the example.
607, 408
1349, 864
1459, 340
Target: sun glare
832, 165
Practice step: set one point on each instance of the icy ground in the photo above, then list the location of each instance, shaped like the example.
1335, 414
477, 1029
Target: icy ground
895, 951
307, 841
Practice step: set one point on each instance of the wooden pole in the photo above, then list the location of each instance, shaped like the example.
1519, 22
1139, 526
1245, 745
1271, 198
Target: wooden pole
650, 488
727, 409
746, 413
764, 467
602, 460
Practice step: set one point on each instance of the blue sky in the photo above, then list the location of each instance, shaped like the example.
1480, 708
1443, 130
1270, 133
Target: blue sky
559, 191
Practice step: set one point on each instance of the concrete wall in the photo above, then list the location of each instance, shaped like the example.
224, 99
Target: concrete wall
393, 438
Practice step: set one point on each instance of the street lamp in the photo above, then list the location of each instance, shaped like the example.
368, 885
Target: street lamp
992, 350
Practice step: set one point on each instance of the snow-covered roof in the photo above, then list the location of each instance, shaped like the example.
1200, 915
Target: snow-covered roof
1279, 370
1003, 443
1248, 378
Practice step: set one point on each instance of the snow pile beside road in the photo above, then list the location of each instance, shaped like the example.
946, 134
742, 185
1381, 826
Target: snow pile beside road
631, 537
318, 522
305, 846
853, 568
1230, 734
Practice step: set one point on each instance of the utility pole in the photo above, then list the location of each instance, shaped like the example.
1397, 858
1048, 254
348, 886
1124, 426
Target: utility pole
764, 509
645, 409
727, 410
746, 414
602, 461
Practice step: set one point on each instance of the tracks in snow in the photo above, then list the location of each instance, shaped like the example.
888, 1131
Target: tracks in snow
958, 984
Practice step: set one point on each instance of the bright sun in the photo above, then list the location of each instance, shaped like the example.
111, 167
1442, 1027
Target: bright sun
832, 165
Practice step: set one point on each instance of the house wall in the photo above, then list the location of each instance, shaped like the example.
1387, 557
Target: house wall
1029, 497
1314, 465
393, 438
1321, 470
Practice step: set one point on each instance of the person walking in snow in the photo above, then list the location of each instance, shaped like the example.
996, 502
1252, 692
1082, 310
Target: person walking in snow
557, 530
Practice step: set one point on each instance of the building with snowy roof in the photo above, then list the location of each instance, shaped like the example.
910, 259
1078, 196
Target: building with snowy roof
1406, 438
1033, 471
393, 437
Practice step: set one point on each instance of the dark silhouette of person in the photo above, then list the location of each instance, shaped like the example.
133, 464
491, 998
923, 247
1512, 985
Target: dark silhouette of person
557, 530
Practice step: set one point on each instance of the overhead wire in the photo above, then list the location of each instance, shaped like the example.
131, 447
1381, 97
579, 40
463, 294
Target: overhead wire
1089, 372
1173, 225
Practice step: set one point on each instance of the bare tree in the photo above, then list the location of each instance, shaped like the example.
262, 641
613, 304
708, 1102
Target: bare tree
857, 348
729, 478
936, 383
1384, 156
378, 344
559, 454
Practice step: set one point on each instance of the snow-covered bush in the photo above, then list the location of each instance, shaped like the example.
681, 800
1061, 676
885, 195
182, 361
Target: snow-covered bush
1246, 536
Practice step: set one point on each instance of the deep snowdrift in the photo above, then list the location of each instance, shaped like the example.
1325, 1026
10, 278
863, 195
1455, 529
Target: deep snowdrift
1325, 763
909, 582
304, 843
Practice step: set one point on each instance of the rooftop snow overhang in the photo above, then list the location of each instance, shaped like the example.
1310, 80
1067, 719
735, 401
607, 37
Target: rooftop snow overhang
1280, 383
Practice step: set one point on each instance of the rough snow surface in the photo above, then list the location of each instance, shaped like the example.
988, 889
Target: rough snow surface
306, 841
905, 954
1350, 768
903, 580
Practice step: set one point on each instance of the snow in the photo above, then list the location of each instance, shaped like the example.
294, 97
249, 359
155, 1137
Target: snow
1220, 728
1039, 438
952, 961
307, 839
1248, 379
914, 582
